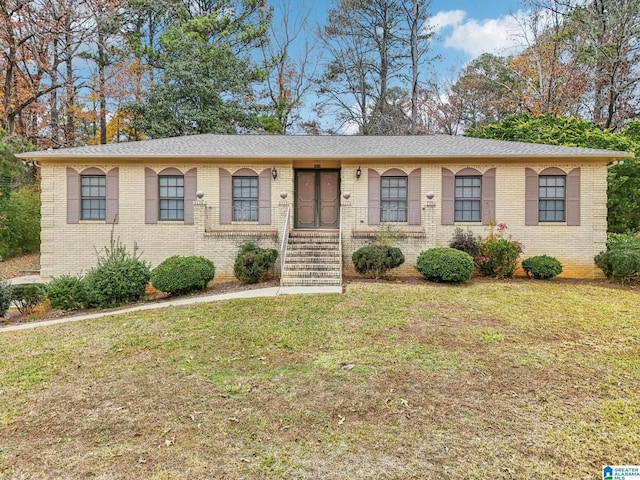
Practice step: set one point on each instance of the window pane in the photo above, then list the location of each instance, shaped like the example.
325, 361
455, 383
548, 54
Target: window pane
245, 199
93, 193
393, 199
551, 198
468, 193
171, 194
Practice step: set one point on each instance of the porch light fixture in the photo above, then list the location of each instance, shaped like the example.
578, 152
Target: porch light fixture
274, 173
358, 172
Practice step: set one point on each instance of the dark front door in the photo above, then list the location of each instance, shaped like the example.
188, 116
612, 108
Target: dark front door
317, 198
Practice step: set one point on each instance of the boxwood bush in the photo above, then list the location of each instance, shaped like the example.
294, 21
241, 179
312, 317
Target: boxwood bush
620, 264
376, 260
27, 296
5, 297
68, 293
254, 263
177, 275
542, 267
447, 265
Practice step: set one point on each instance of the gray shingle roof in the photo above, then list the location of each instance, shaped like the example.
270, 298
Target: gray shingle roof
279, 146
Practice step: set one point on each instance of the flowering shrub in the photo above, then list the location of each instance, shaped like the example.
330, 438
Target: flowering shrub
498, 253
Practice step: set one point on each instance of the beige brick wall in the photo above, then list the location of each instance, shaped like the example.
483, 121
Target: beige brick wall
70, 248
573, 246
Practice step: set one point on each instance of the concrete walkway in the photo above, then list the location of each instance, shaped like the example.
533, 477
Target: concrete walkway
178, 302
25, 279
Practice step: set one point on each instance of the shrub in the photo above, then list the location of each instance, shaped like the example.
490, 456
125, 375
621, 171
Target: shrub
499, 258
5, 297
465, 242
177, 275
254, 263
116, 283
386, 234
376, 260
499, 253
542, 267
447, 265
622, 240
622, 265
120, 277
26, 296
68, 293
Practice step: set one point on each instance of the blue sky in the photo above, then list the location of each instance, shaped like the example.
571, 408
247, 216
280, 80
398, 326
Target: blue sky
464, 28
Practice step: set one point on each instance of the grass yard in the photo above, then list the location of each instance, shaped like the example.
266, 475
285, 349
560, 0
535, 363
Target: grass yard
518, 379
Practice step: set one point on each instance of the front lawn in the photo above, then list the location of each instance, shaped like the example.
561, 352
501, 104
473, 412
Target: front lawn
515, 379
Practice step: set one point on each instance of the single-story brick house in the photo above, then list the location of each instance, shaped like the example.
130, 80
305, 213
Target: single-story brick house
313, 197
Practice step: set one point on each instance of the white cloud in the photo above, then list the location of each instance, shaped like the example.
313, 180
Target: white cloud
474, 37
450, 18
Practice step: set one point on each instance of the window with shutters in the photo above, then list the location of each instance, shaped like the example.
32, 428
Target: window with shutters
468, 198
551, 198
245, 199
93, 197
393, 199
171, 197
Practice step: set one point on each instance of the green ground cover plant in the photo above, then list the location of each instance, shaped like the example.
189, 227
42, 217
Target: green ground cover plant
486, 380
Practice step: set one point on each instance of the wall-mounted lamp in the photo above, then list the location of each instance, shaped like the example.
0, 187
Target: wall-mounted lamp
358, 172
274, 173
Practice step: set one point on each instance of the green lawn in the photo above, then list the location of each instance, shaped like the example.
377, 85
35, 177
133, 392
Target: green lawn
519, 379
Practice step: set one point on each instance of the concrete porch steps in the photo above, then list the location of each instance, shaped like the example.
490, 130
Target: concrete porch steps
312, 259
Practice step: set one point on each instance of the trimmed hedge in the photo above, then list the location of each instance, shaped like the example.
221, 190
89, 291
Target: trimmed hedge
446, 265
27, 296
376, 260
542, 267
178, 275
68, 293
254, 263
5, 297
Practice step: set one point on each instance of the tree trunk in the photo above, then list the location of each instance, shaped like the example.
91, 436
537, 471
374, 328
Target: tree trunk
101, 91
414, 67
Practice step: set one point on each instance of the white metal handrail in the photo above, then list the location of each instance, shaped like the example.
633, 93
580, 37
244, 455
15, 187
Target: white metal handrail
285, 239
340, 240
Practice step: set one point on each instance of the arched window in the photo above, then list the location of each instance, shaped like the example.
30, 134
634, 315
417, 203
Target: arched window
92, 195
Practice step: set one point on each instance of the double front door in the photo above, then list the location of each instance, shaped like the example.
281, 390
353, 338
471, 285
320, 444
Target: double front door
317, 198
